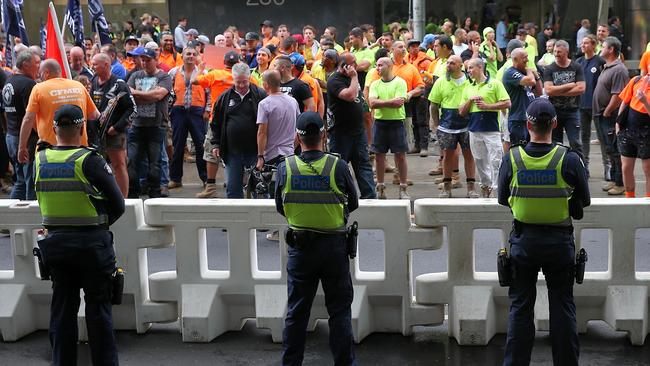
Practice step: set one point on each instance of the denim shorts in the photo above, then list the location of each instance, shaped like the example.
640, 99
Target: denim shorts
388, 135
634, 142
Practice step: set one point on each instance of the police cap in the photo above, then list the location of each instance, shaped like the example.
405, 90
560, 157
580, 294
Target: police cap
68, 115
540, 110
309, 123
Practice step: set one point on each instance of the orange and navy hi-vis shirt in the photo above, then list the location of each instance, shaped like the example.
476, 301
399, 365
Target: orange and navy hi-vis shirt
313, 86
197, 97
421, 61
628, 95
409, 73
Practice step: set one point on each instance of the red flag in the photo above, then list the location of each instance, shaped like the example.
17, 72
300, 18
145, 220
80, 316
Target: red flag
53, 46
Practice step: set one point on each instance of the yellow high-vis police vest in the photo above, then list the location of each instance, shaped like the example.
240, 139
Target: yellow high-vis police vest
62, 190
311, 198
538, 192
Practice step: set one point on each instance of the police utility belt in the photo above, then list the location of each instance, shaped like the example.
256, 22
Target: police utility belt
300, 239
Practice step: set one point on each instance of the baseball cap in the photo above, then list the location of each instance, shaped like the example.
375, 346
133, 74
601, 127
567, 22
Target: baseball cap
309, 123
299, 38
297, 59
428, 39
331, 54
193, 32
266, 23
548, 26
148, 52
193, 44
151, 45
203, 39
522, 31
252, 36
68, 115
412, 42
540, 110
138, 51
231, 58
131, 38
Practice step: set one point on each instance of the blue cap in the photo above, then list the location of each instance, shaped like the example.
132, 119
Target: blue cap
309, 123
148, 52
138, 51
540, 110
297, 59
428, 39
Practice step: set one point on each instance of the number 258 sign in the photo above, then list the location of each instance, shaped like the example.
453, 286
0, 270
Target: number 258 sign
264, 2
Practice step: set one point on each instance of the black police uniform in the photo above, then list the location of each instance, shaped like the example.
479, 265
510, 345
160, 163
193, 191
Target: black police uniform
319, 257
83, 257
551, 248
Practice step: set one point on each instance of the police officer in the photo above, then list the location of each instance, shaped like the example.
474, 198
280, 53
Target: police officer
78, 199
315, 192
545, 185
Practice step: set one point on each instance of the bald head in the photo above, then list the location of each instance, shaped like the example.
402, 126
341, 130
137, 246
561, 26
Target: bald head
101, 64
50, 69
271, 80
385, 68
76, 51
77, 58
347, 58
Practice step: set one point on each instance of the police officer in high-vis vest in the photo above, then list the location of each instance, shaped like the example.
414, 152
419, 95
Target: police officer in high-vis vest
315, 192
545, 185
78, 198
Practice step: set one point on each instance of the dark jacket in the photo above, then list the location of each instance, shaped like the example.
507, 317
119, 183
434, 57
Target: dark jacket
219, 121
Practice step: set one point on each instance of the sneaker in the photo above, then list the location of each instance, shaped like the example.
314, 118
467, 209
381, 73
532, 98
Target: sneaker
403, 195
173, 184
424, 153
616, 191
413, 151
381, 191
274, 236
436, 171
594, 142
209, 191
471, 191
164, 191
609, 185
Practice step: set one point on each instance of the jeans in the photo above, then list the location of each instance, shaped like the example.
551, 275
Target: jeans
186, 121
235, 165
24, 185
606, 135
323, 259
552, 250
354, 149
569, 121
81, 260
518, 132
585, 131
145, 143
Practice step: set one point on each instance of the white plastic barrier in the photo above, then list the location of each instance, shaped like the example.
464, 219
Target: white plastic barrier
212, 302
25, 299
478, 307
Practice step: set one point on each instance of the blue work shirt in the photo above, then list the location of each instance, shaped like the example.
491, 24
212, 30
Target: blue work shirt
591, 68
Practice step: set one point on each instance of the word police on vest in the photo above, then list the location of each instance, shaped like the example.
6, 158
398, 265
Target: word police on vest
68, 114
309, 123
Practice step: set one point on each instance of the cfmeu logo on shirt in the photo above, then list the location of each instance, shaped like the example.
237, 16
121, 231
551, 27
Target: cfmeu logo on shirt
537, 177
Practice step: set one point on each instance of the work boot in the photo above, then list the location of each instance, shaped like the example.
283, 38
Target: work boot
389, 169
609, 185
424, 153
396, 180
209, 191
471, 190
455, 181
616, 191
436, 171
173, 184
486, 191
446, 190
381, 191
403, 195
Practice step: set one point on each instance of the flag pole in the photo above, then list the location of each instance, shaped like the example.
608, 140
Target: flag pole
59, 40
63, 27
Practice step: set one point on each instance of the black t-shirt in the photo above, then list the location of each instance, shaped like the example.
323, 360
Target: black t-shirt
241, 125
343, 116
297, 89
564, 75
15, 97
103, 93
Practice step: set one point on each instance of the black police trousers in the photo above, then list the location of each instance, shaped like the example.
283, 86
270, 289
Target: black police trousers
81, 259
552, 250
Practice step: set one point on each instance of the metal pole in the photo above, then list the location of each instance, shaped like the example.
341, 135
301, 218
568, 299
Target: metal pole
419, 15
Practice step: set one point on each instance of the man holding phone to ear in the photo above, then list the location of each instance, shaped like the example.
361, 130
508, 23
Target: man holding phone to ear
345, 122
